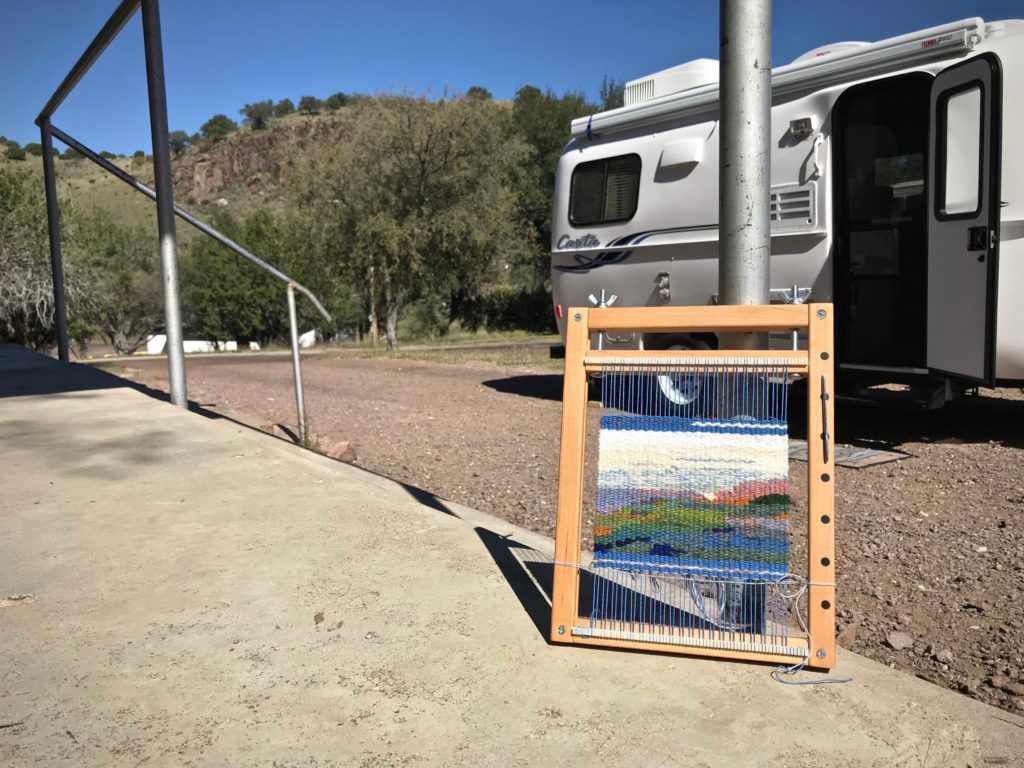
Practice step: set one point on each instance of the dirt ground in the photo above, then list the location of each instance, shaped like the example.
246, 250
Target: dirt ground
930, 548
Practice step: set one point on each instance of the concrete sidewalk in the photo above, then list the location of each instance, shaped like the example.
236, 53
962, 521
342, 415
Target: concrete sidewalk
203, 594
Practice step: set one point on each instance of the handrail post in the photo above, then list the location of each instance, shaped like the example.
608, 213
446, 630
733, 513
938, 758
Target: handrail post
300, 405
53, 224
164, 200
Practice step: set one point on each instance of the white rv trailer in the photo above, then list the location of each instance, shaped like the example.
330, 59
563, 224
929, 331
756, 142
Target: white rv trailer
897, 192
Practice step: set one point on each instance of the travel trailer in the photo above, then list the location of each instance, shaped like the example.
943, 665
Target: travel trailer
897, 193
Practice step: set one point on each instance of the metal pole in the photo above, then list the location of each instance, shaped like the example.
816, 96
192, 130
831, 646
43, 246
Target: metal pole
300, 405
744, 177
121, 16
60, 310
164, 199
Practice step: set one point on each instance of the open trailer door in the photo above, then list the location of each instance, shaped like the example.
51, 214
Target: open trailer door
963, 210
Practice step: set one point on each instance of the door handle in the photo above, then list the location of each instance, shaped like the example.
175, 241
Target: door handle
977, 239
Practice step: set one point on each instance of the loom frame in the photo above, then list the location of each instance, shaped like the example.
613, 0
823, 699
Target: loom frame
816, 363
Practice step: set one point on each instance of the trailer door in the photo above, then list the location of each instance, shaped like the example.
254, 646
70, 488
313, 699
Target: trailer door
963, 204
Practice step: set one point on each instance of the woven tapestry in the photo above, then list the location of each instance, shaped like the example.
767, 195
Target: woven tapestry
692, 520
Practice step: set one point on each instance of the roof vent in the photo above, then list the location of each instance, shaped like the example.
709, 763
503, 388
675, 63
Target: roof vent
692, 74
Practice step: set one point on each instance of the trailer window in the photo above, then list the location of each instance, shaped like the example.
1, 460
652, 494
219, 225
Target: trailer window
959, 168
604, 191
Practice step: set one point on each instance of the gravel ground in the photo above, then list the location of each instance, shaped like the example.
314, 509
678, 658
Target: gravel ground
930, 548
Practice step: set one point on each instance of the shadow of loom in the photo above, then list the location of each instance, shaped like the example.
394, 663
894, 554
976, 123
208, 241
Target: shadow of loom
530, 575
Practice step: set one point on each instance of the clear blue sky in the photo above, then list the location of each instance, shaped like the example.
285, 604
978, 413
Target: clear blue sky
221, 54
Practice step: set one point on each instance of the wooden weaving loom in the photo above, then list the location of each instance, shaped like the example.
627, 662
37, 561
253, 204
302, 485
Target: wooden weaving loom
691, 528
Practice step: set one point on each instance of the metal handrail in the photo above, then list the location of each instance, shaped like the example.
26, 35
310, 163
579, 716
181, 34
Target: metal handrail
136, 184
121, 16
163, 196
292, 285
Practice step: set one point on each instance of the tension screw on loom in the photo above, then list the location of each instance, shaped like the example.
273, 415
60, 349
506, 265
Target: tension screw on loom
577, 317
822, 314
820, 653
561, 629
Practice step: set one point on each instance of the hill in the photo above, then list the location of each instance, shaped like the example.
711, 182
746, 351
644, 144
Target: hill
243, 172
249, 169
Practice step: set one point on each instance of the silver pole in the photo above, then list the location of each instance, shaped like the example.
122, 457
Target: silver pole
53, 224
300, 405
744, 175
164, 199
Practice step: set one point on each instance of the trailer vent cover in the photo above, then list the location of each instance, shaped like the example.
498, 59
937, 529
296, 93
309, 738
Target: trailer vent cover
792, 208
685, 77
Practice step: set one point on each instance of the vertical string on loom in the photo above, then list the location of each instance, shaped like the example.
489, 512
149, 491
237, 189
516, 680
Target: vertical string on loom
712, 605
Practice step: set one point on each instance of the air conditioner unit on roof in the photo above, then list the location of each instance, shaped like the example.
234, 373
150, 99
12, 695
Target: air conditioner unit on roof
692, 74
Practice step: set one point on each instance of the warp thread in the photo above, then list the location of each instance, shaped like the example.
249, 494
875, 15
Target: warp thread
691, 531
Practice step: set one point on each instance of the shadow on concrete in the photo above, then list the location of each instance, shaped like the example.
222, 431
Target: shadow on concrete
529, 573
426, 498
24, 372
544, 386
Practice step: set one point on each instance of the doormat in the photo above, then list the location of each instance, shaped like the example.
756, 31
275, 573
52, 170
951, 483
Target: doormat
848, 455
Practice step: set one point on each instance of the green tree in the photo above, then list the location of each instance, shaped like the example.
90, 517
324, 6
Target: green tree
310, 105
216, 128
542, 120
227, 297
612, 93
15, 153
258, 114
283, 108
107, 154
336, 101
422, 200
26, 287
119, 274
478, 93
179, 141
35, 149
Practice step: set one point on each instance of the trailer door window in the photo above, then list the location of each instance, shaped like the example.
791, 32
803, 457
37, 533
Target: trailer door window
604, 191
959, 169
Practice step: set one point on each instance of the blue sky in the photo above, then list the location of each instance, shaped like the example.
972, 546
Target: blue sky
221, 54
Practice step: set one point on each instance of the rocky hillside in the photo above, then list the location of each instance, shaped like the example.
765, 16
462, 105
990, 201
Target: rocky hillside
257, 160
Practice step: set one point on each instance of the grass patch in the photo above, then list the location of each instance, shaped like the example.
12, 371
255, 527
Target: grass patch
506, 348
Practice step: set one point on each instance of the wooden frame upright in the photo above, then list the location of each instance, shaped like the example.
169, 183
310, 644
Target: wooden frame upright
816, 362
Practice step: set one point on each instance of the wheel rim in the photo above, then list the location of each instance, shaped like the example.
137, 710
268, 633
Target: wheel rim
678, 389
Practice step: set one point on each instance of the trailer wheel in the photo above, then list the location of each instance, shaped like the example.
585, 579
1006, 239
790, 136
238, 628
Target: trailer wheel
673, 391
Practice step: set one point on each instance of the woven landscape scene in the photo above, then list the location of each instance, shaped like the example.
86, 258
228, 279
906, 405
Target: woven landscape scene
693, 496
